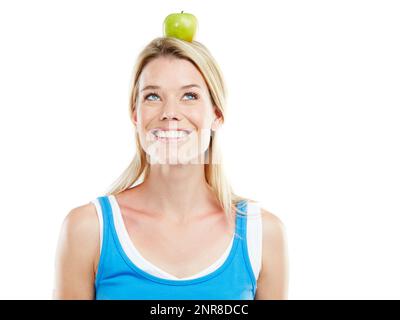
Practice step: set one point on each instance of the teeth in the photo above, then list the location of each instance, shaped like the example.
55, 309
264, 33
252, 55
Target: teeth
170, 134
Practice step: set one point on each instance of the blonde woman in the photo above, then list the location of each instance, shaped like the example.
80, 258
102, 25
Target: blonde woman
171, 227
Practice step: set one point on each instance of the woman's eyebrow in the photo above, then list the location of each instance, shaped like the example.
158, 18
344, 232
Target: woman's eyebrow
158, 87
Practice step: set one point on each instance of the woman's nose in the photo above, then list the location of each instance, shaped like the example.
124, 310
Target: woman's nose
169, 111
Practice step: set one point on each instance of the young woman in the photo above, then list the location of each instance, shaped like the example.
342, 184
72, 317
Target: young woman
171, 227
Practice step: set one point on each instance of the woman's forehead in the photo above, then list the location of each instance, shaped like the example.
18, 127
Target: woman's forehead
171, 73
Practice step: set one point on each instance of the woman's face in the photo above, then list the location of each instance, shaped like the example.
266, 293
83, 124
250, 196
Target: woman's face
174, 114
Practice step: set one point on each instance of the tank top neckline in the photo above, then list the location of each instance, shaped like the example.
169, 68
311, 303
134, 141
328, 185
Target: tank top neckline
132, 265
134, 252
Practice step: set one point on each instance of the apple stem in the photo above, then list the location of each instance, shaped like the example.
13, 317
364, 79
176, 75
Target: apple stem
182, 11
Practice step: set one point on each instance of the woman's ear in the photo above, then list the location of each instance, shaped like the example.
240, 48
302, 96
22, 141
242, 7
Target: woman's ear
216, 123
134, 117
218, 119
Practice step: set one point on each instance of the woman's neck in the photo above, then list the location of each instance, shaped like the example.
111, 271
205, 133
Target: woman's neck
178, 192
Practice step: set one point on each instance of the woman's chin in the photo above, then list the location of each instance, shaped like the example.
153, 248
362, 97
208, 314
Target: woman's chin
171, 159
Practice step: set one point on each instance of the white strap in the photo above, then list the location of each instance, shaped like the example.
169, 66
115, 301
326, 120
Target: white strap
100, 216
254, 236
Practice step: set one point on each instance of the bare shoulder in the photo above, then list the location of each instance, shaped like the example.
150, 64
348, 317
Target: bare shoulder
77, 246
82, 221
273, 279
81, 227
273, 226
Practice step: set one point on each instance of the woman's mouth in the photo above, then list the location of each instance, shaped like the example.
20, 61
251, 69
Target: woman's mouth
170, 135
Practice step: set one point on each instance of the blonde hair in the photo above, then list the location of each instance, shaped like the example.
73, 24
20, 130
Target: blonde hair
200, 57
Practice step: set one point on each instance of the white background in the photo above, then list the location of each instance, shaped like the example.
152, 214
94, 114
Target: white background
312, 129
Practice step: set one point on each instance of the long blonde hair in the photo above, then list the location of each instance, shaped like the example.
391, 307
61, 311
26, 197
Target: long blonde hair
200, 57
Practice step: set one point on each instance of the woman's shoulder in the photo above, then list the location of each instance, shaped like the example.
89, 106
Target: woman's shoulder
269, 218
258, 206
80, 229
271, 222
82, 218
272, 281
77, 246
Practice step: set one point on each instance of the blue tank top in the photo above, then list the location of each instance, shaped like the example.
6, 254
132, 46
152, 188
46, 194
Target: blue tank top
119, 278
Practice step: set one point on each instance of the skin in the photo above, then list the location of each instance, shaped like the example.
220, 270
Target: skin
174, 199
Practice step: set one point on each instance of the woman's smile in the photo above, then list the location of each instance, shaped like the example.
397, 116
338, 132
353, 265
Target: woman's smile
171, 135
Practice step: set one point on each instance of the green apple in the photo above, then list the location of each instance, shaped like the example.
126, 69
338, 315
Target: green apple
180, 25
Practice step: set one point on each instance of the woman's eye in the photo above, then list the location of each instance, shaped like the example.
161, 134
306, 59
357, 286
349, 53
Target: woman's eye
194, 95
151, 94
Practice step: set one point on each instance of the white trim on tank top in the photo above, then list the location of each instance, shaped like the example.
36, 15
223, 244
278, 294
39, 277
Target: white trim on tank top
254, 242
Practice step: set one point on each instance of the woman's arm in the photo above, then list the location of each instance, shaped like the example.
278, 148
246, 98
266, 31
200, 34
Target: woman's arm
272, 283
77, 246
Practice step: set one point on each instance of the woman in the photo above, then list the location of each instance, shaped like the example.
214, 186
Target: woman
171, 227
